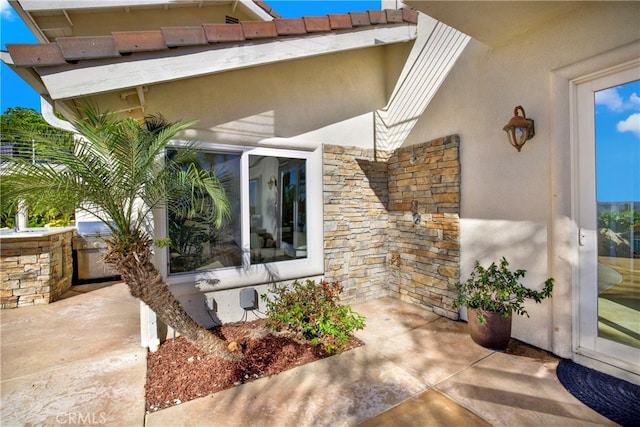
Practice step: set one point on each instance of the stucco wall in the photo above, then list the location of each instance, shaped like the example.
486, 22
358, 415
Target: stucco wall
327, 99
508, 198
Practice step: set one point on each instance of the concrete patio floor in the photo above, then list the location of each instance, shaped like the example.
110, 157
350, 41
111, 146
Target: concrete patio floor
78, 361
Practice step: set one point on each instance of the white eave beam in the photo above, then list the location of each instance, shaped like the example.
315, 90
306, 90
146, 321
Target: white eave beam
92, 77
29, 75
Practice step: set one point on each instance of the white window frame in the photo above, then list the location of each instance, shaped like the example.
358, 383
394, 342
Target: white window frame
254, 274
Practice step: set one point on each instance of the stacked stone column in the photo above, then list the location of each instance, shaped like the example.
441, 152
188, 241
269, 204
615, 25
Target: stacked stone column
35, 270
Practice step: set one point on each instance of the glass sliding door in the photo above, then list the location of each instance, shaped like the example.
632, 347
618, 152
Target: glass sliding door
608, 120
617, 156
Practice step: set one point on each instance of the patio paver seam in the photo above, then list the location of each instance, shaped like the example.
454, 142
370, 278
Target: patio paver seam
471, 365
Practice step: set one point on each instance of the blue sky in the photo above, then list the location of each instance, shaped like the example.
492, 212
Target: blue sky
15, 93
618, 143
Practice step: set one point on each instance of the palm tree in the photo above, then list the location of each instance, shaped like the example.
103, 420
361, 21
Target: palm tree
119, 172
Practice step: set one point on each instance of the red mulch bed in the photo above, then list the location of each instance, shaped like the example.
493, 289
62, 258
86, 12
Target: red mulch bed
179, 371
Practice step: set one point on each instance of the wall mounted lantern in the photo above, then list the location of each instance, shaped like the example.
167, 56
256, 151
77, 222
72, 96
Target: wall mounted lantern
519, 129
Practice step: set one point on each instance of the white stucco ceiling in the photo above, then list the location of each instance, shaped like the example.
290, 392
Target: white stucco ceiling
495, 22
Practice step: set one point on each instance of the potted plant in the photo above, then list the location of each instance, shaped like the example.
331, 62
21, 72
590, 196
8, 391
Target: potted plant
491, 295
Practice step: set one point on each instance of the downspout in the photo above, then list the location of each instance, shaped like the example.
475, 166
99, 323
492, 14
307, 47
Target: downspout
49, 115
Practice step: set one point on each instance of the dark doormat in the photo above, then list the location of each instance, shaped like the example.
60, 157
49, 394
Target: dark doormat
614, 398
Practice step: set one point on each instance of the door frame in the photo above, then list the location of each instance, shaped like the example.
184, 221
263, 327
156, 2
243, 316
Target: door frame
587, 343
563, 226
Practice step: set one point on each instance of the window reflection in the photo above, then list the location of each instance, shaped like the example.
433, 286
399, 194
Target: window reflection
278, 209
617, 147
196, 243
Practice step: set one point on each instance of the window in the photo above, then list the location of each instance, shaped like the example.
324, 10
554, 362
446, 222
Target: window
278, 208
268, 235
196, 244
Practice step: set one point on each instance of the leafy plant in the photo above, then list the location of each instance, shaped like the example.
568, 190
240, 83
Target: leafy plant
61, 222
312, 310
54, 217
498, 289
621, 221
26, 135
186, 239
23, 130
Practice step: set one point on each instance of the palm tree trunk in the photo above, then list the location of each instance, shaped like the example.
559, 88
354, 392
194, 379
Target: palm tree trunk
146, 283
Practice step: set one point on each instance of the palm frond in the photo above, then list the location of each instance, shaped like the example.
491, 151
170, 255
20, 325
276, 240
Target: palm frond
118, 172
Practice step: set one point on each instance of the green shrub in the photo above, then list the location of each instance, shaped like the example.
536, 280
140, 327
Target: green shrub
498, 289
54, 217
313, 310
620, 222
62, 222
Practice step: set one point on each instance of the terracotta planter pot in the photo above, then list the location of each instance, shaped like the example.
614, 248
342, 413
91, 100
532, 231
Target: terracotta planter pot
495, 334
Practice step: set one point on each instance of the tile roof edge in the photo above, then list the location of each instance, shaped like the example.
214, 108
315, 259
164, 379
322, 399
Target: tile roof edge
69, 50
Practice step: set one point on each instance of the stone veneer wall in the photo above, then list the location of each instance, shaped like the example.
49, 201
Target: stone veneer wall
356, 222
426, 257
372, 245
35, 270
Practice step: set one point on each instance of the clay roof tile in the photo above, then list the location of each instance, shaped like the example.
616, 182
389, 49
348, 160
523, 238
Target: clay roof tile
315, 24
259, 29
217, 33
36, 55
184, 36
138, 41
76, 48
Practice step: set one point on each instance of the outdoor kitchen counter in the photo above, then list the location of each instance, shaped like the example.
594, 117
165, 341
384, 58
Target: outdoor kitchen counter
36, 265
10, 233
